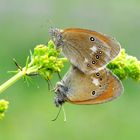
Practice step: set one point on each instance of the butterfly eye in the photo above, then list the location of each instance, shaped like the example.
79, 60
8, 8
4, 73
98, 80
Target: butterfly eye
92, 38
93, 92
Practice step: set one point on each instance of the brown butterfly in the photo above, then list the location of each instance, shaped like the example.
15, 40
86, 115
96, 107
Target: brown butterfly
79, 88
88, 50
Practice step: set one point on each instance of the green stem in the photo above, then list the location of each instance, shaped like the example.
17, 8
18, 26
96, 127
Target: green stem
12, 80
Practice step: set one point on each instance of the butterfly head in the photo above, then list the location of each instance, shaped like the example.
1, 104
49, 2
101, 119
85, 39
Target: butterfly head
60, 91
56, 35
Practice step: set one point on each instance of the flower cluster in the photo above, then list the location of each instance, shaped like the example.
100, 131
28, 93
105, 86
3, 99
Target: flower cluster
125, 66
3, 108
45, 61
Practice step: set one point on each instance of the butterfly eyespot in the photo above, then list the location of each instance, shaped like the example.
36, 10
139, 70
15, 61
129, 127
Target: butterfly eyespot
88, 65
100, 86
97, 57
93, 62
100, 52
92, 39
97, 74
93, 93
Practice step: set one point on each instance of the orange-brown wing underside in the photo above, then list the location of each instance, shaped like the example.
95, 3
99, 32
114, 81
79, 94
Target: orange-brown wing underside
89, 55
113, 90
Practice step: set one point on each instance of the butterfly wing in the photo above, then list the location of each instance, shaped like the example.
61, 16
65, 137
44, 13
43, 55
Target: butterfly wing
88, 50
96, 88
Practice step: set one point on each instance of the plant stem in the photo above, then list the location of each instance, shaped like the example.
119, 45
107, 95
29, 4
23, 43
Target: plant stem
12, 80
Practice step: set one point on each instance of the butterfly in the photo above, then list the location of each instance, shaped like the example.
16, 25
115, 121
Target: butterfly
88, 81
87, 50
79, 88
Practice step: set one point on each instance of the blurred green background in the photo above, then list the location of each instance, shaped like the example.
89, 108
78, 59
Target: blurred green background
24, 24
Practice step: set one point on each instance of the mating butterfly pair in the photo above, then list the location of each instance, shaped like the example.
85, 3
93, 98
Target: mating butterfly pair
88, 81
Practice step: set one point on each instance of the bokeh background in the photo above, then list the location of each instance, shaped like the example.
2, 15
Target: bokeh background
24, 24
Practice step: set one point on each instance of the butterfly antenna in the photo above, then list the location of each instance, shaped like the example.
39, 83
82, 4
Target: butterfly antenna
60, 78
50, 86
57, 114
52, 25
53, 89
64, 113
